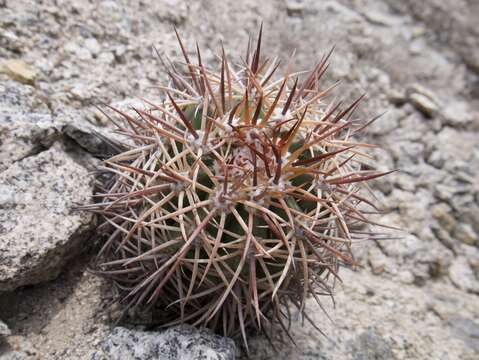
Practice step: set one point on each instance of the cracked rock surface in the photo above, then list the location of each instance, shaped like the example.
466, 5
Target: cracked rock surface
39, 230
415, 297
181, 342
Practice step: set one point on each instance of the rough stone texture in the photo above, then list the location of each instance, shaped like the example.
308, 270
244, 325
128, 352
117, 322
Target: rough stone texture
64, 319
182, 342
26, 125
19, 71
416, 59
373, 320
39, 230
4, 329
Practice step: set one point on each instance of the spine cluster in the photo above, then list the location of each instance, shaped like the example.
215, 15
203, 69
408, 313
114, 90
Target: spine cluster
238, 198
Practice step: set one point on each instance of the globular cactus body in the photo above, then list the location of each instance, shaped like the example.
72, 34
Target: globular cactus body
236, 198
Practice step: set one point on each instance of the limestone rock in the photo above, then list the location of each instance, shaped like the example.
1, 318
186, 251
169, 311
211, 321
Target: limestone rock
177, 343
39, 229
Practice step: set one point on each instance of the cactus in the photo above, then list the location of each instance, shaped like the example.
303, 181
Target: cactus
237, 196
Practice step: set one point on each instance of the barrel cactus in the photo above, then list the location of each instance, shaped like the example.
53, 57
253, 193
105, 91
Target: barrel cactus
237, 198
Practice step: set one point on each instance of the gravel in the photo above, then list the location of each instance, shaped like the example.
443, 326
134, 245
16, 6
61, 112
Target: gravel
417, 60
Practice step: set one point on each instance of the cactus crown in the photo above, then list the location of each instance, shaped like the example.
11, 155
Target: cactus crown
238, 198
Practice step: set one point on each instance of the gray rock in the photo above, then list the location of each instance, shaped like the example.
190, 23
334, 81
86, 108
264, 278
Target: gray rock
382, 47
442, 213
16, 355
80, 52
23, 135
374, 317
387, 122
453, 22
17, 348
436, 159
26, 125
25, 132
377, 260
463, 276
472, 255
92, 140
458, 113
39, 229
371, 346
177, 343
466, 234
466, 329
96, 139
93, 45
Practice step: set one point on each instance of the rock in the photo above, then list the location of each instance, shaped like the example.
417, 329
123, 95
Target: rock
10, 40
442, 213
294, 8
423, 99
181, 342
436, 159
17, 348
377, 260
378, 18
457, 147
80, 92
370, 345
453, 23
18, 70
80, 52
93, 46
382, 47
99, 141
387, 122
26, 125
92, 140
417, 47
4, 330
466, 329
396, 97
472, 255
173, 11
445, 192
458, 113
466, 234
39, 229
23, 135
16, 355
423, 104
374, 317
444, 237
462, 275
406, 277
20, 99
119, 53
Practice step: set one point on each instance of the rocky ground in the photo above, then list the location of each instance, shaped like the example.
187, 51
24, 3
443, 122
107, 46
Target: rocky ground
414, 298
